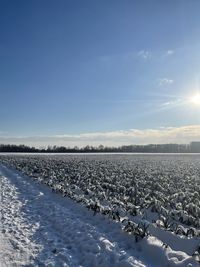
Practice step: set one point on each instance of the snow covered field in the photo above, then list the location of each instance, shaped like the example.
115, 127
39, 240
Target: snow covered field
41, 228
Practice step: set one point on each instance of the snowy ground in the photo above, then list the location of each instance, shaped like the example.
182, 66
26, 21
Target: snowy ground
40, 228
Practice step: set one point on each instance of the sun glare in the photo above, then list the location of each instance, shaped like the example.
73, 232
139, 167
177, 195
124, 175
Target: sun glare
195, 99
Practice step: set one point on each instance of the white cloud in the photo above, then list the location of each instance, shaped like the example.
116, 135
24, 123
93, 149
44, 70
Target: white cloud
144, 54
183, 134
169, 52
171, 103
165, 81
133, 55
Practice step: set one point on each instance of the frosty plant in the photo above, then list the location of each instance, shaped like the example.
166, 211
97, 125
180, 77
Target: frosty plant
138, 230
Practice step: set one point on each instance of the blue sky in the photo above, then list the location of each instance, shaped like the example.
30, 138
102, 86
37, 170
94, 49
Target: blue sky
86, 67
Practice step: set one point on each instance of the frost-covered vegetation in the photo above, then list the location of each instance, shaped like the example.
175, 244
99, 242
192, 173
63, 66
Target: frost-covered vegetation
148, 194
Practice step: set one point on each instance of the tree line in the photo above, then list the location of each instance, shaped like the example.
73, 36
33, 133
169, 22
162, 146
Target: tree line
152, 148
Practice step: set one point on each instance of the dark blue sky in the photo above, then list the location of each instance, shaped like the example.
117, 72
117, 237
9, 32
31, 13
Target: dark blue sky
69, 67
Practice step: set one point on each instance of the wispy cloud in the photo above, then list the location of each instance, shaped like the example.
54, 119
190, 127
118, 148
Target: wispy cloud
171, 103
134, 55
126, 56
169, 52
144, 54
165, 81
183, 134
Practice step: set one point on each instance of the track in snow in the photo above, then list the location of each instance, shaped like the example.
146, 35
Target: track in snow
40, 228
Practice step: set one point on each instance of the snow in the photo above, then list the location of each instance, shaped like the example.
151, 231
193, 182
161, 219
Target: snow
41, 228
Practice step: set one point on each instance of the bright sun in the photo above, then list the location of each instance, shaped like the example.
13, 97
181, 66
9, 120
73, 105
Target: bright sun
195, 99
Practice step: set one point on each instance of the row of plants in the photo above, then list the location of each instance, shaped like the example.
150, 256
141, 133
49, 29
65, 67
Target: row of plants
122, 187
